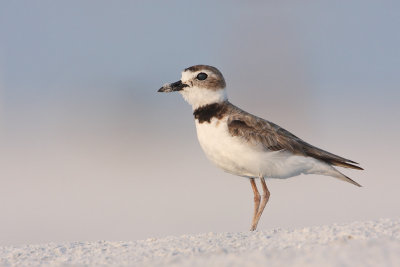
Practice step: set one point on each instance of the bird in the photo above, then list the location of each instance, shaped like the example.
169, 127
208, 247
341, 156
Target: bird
246, 145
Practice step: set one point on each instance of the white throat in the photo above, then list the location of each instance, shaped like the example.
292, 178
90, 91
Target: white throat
198, 97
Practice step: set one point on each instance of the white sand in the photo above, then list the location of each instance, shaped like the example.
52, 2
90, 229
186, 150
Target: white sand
373, 243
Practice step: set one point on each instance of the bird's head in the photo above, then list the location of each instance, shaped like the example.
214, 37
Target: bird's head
199, 85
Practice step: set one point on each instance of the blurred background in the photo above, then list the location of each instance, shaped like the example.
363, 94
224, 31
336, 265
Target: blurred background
90, 151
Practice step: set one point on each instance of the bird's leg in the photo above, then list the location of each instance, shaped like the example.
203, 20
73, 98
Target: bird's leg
256, 204
265, 198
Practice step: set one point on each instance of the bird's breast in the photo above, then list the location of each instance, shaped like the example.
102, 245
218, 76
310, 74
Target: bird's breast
230, 153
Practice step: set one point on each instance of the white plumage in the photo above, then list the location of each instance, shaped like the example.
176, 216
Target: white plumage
234, 155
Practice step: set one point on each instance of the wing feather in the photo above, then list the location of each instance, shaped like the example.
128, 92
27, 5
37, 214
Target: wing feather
274, 138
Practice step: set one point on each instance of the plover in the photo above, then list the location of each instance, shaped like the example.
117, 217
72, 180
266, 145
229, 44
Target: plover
245, 145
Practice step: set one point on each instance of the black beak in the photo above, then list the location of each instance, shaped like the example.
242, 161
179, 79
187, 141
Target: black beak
172, 87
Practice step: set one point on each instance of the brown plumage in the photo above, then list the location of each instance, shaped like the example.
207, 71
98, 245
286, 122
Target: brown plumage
215, 82
206, 113
273, 137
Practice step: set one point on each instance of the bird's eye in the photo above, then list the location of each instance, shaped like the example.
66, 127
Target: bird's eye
202, 76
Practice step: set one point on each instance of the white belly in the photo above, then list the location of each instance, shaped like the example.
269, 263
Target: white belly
238, 157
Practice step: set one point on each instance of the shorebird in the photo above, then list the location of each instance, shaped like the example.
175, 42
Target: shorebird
245, 145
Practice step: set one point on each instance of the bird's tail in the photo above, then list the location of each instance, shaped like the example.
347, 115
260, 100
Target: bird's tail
344, 164
343, 177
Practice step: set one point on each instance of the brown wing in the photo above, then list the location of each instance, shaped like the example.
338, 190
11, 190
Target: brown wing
272, 137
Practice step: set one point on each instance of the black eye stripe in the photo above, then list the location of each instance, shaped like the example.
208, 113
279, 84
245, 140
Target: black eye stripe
201, 76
